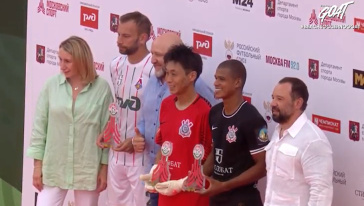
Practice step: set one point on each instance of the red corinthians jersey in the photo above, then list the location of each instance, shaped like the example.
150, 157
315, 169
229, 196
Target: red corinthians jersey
184, 129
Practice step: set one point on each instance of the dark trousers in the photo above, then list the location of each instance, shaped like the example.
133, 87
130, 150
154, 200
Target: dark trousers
246, 198
153, 201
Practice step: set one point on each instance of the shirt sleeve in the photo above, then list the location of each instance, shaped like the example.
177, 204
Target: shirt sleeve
206, 137
257, 134
158, 135
205, 91
141, 121
40, 124
317, 164
104, 120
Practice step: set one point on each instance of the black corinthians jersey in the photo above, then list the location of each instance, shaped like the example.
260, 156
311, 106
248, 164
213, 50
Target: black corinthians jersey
236, 138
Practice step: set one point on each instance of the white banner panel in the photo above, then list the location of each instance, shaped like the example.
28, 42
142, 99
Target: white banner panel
272, 38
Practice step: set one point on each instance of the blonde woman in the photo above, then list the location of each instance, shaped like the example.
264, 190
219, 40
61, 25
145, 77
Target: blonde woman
71, 112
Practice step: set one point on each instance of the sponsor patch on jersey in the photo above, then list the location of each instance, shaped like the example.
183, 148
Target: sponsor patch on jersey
139, 84
263, 135
231, 135
185, 128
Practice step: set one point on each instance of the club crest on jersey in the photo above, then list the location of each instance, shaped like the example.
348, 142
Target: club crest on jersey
185, 128
120, 80
139, 84
231, 135
263, 135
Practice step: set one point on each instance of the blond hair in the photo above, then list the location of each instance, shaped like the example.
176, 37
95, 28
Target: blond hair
82, 58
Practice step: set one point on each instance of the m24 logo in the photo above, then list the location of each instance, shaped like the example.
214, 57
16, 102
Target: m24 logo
133, 103
244, 2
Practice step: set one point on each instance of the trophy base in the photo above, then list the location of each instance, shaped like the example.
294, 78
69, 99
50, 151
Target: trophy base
193, 189
107, 145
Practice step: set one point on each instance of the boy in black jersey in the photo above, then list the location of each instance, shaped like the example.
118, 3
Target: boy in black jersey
239, 135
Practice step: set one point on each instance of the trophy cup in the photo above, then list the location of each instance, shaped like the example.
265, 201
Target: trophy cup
161, 172
195, 180
111, 127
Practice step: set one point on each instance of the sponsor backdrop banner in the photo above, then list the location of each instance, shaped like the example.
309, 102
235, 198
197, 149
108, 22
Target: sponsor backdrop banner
272, 38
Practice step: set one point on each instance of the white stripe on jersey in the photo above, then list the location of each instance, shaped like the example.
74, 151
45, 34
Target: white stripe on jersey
129, 81
256, 151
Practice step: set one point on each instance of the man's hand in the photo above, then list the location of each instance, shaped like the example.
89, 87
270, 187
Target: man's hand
171, 187
215, 187
138, 141
147, 179
125, 146
37, 178
102, 179
100, 141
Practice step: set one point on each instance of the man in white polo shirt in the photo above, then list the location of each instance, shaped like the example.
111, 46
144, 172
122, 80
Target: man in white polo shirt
299, 157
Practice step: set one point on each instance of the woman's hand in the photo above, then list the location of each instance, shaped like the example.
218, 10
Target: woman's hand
102, 178
37, 178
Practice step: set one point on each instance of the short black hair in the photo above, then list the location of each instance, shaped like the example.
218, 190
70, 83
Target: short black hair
143, 23
298, 90
237, 69
186, 57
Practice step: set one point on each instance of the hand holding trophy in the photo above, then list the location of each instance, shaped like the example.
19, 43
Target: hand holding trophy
111, 130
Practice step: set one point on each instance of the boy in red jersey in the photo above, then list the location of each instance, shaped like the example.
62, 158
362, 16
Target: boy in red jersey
183, 122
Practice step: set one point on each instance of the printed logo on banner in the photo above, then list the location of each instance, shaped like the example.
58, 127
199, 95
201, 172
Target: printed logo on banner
359, 193
327, 15
328, 124
358, 79
244, 51
359, 23
282, 62
99, 66
286, 10
229, 46
354, 131
325, 71
339, 177
334, 11
40, 54
247, 98
89, 17
114, 22
52, 8
270, 8
313, 68
268, 111
41, 7
313, 18
202, 44
243, 5
161, 31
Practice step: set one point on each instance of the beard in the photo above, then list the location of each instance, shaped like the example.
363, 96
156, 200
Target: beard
160, 74
129, 50
280, 117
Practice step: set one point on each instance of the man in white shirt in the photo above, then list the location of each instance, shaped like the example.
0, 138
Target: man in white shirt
130, 73
299, 157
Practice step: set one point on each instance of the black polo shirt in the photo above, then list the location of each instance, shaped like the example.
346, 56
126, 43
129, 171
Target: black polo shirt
236, 138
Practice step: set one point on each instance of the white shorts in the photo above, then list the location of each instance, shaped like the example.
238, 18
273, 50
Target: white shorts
55, 196
124, 188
